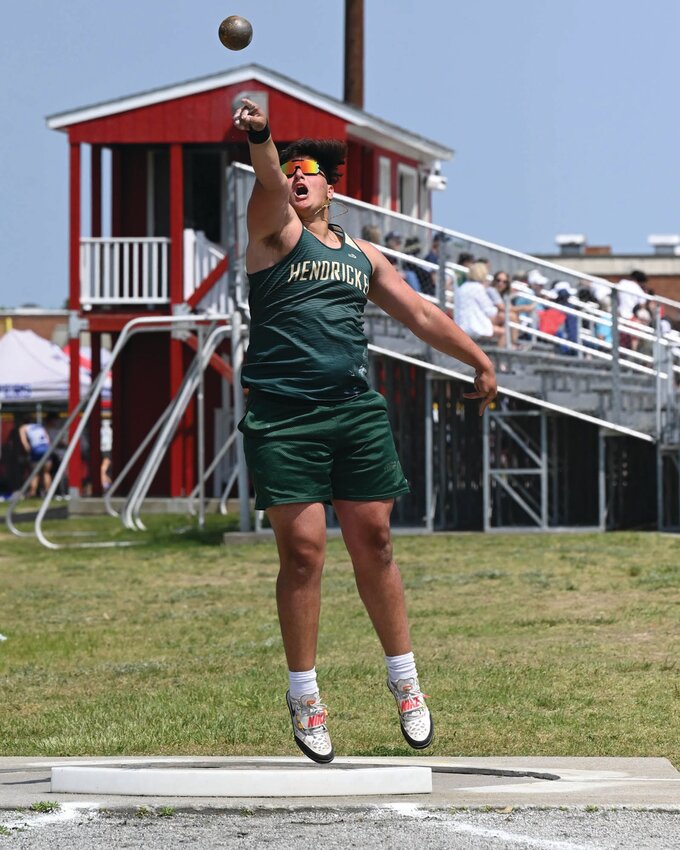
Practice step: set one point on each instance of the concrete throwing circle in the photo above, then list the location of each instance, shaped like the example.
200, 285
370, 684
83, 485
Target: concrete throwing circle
308, 780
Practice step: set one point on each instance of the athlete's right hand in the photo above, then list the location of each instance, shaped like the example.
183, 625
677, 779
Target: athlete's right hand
250, 116
485, 388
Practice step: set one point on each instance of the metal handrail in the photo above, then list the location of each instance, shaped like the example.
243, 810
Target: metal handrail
567, 343
149, 324
130, 512
602, 317
629, 352
118, 480
139, 450
227, 490
536, 402
526, 259
228, 443
133, 505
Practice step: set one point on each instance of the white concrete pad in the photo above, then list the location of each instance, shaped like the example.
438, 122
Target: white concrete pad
466, 781
310, 781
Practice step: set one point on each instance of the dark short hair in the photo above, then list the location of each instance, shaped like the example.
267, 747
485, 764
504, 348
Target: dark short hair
585, 293
329, 153
638, 276
464, 257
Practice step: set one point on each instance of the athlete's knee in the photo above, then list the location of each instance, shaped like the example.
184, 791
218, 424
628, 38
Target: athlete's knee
301, 561
378, 542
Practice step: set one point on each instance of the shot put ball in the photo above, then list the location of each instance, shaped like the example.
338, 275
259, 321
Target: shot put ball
235, 32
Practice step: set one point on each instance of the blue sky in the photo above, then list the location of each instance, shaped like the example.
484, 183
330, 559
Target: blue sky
563, 116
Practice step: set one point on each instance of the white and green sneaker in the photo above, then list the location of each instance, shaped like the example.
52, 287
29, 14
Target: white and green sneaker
308, 716
416, 721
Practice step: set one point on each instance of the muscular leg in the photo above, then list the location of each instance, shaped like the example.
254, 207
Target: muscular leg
366, 531
300, 531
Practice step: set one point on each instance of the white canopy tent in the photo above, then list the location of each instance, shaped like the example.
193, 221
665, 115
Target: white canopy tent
32, 369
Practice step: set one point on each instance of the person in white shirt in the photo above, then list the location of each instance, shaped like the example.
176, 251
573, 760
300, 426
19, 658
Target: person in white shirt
474, 310
631, 293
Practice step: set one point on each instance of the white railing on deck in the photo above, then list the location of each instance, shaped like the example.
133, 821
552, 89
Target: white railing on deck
201, 256
124, 271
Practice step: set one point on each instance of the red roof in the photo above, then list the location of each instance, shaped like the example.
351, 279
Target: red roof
200, 111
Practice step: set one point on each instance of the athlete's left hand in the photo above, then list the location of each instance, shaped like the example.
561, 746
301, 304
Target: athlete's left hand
485, 388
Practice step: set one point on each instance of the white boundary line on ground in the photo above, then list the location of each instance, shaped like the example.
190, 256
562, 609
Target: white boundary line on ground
412, 810
66, 812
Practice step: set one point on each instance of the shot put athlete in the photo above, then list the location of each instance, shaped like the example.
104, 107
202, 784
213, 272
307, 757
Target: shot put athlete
314, 432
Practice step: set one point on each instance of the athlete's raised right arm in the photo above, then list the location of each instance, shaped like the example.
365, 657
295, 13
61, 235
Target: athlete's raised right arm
269, 210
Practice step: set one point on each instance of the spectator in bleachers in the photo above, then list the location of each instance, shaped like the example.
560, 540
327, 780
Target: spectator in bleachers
371, 233
527, 309
496, 290
474, 311
584, 294
433, 254
642, 317
631, 292
501, 283
602, 330
464, 259
537, 281
487, 263
569, 328
654, 306
437, 241
477, 272
413, 247
564, 292
394, 241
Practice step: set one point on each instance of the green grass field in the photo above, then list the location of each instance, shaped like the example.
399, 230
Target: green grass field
527, 644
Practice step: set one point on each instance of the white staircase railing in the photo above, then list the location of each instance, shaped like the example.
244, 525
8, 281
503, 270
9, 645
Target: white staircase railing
201, 256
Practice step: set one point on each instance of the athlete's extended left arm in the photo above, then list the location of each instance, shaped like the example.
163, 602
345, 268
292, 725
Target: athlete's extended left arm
390, 292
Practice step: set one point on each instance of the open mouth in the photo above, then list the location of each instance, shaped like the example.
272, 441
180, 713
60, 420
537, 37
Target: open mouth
301, 191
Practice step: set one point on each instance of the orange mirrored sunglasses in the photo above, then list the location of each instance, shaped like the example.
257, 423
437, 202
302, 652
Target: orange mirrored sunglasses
306, 166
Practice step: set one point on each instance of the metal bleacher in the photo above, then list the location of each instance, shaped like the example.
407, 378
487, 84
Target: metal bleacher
608, 390
585, 439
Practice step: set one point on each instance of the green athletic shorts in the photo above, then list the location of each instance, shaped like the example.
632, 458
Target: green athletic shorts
299, 451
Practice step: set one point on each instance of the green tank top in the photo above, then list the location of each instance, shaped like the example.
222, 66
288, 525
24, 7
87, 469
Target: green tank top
307, 332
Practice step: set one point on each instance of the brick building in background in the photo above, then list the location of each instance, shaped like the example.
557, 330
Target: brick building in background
49, 324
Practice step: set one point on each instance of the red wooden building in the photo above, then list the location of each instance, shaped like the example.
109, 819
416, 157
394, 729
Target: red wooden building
155, 164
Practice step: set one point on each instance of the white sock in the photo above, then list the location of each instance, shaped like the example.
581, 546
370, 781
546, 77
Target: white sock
303, 682
401, 667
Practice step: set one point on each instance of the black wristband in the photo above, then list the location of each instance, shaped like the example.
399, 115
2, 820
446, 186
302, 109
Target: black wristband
257, 137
